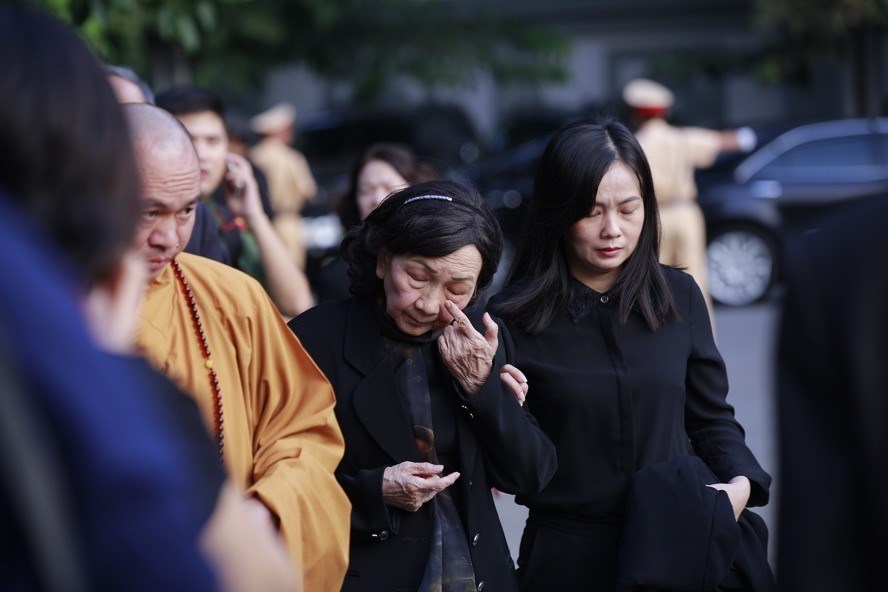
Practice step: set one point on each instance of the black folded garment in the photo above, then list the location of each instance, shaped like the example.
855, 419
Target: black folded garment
680, 534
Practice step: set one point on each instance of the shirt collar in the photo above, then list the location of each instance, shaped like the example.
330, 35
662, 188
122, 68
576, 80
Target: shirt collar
583, 299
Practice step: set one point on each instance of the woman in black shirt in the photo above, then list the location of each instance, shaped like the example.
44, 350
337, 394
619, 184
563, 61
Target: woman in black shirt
619, 351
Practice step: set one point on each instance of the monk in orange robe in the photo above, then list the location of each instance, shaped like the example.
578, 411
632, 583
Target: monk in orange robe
214, 331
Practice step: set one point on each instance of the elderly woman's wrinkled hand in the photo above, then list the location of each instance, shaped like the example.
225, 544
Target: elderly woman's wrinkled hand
468, 354
409, 485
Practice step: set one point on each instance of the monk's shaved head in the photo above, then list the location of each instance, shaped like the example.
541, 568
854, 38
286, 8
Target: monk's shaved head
169, 174
156, 133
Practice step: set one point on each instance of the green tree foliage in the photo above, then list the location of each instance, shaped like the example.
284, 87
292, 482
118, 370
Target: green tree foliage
232, 43
809, 31
826, 20
813, 31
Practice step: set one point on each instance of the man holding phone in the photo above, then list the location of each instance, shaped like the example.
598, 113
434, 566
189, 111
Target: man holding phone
228, 186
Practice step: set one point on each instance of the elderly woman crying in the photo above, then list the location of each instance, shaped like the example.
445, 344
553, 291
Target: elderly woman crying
427, 402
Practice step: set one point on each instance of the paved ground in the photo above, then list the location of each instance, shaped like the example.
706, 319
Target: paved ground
746, 340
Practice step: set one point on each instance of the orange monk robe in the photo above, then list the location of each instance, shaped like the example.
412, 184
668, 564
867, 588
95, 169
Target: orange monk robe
281, 438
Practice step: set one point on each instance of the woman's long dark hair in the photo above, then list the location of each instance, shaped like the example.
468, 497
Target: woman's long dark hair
567, 179
401, 159
428, 226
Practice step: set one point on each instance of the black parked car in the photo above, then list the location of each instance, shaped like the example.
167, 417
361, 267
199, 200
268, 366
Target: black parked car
783, 187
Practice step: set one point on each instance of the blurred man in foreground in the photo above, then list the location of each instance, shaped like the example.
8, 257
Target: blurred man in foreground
832, 394
107, 478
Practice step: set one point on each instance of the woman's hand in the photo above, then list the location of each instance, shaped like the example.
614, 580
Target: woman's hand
738, 489
468, 354
409, 485
515, 380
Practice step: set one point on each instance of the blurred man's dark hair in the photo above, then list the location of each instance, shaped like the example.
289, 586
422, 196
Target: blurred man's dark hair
48, 104
184, 99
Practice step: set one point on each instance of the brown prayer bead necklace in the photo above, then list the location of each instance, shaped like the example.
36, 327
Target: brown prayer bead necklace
205, 351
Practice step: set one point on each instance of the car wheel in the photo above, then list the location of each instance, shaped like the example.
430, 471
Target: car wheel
742, 265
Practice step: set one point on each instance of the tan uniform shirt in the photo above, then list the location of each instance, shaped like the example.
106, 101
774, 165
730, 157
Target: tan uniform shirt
674, 153
290, 185
281, 439
290, 182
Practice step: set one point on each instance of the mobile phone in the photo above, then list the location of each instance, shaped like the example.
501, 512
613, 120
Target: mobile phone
234, 189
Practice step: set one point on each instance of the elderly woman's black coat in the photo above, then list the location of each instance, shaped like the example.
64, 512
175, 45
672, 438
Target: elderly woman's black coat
500, 445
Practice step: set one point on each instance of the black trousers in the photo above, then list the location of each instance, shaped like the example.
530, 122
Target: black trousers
564, 554
559, 553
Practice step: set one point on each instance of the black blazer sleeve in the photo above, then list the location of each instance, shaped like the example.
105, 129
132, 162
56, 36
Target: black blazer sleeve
321, 330
519, 457
716, 435
369, 513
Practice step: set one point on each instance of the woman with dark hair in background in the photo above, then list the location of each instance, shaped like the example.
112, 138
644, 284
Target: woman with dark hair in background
425, 398
625, 376
380, 170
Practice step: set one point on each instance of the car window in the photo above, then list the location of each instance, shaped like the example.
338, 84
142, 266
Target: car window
844, 159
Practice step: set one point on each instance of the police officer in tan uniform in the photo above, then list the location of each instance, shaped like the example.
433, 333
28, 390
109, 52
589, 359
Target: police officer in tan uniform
674, 153
290, 182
